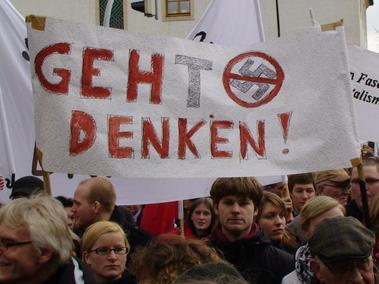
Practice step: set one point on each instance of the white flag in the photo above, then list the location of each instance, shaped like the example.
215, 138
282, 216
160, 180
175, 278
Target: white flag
227, 22
16, 106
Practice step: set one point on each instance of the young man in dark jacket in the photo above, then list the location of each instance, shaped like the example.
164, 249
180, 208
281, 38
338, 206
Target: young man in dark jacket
236, 202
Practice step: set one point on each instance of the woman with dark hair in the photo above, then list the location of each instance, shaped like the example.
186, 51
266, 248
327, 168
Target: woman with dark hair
199, 221
272, 222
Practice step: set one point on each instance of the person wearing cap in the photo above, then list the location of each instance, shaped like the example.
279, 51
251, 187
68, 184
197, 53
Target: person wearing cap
311, 215
26, 186
341, 252
333, 183
371, 175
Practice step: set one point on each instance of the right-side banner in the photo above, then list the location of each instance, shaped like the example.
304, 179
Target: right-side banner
364, 75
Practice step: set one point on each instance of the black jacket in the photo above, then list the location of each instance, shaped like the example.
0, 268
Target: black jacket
353, 210
255, 258
126, 278
136, 236
73, 272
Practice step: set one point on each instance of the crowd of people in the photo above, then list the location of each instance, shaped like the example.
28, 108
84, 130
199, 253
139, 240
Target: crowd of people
309, 230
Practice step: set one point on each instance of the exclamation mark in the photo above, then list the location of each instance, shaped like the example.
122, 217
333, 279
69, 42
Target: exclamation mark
285, 123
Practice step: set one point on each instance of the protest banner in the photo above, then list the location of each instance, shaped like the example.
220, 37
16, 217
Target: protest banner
125, 104
364, 75
16, 103
129, 190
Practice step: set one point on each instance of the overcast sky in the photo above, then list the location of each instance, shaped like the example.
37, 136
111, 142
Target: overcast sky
373, 27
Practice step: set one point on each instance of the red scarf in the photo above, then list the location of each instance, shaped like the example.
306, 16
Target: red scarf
220, 235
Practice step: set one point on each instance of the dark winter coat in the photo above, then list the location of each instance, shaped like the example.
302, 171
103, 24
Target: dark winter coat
254, 257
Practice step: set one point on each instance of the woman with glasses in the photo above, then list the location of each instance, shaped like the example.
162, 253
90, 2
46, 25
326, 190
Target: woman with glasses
105, 248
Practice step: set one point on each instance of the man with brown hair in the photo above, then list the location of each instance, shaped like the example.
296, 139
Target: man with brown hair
301, 190
236, 202
95, 200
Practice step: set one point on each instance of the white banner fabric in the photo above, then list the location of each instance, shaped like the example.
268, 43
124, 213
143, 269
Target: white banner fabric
131, 191
16, 102
237, 23
364, 75
166, 107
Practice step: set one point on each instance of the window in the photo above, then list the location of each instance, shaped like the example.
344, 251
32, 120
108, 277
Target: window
177, 9
118, 13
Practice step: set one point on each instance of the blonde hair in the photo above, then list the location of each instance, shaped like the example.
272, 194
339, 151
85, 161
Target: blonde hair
316, 207
101, 190
46, 220
96, 230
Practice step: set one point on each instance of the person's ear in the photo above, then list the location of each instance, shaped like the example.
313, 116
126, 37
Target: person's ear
86, 259
96, 207
256, 212
46, 254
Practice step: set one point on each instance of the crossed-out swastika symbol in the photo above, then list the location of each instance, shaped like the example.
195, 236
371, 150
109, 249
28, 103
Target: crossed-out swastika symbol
247, 85
262, 78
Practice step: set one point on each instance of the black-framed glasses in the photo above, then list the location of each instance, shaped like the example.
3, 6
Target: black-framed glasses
107, 251
9, 244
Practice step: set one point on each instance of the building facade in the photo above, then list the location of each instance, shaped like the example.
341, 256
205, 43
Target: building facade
178, 17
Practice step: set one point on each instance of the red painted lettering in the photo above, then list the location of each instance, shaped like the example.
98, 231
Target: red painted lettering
185, 138
88, 71
114, 135
136, 77
247, 137
149, 136
62, 86
215, 139
81, 122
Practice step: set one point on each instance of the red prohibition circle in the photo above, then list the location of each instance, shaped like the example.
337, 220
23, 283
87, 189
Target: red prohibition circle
228, 75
